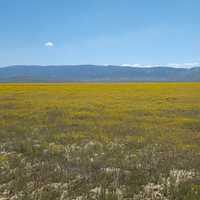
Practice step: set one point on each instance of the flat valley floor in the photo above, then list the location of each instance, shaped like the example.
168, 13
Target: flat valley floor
99, 141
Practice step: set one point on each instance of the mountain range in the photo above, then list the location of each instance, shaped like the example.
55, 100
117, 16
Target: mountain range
97, 73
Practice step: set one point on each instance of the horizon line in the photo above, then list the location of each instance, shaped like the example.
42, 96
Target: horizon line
169, 65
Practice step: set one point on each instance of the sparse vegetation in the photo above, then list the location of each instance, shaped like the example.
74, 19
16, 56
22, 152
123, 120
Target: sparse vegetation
100, 141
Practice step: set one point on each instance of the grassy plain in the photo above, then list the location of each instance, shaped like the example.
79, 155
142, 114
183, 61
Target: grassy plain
129, 141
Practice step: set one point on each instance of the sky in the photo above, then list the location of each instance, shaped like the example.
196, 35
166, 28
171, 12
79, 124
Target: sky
118, 32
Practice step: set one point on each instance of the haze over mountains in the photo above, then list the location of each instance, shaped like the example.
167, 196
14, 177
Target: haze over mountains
97, 73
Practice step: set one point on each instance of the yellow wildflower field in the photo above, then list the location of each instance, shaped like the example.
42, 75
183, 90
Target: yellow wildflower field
100, 141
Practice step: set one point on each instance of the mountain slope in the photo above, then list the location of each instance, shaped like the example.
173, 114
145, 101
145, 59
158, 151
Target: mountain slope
90, 73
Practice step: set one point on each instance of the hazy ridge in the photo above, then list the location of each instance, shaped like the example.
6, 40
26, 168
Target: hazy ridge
97, 73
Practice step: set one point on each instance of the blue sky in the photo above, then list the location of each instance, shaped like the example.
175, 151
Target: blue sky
99, 31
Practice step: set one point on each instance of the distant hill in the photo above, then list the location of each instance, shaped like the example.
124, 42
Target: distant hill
97, 73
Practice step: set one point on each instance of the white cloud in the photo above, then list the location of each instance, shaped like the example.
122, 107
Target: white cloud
137, 65
175, 65
184, 65
49, 44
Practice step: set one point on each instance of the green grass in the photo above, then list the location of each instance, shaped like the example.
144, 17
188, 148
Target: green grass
99, 141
